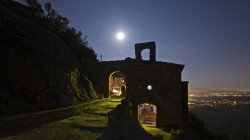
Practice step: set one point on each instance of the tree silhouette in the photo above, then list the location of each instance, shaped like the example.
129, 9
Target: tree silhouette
35, 7
60, 25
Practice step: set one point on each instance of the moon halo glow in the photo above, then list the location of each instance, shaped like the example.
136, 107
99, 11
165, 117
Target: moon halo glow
120, 36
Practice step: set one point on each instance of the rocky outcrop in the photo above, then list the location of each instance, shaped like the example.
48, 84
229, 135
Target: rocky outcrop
38, 71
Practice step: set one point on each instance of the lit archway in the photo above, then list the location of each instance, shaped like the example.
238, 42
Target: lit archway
117, 85
147, 114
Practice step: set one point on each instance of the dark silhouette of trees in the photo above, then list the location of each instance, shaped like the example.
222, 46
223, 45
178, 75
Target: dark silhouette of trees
78, 44
53, 20
60, 25
35, 7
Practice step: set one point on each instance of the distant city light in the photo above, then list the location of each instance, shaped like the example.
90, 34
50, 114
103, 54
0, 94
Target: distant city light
149, 87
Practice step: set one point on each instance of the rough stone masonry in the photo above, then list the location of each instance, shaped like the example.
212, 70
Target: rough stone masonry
169, 93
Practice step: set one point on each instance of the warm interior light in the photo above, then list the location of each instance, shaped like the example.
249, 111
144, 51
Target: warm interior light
115, 90
147, 114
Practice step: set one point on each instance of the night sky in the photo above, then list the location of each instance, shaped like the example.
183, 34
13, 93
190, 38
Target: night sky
211, 37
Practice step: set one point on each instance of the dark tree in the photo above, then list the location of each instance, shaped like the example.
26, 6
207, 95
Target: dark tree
35, 7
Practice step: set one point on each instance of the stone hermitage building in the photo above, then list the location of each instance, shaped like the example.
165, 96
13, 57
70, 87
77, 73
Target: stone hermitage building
169, 93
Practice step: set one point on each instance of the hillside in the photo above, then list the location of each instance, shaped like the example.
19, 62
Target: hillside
39, 71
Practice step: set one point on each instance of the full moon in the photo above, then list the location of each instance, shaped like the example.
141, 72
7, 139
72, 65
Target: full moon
120, 36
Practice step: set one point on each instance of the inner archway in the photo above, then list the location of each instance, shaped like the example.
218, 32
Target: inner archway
147, 114
117, 85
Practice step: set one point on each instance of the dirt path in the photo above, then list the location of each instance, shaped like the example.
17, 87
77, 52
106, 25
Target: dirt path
89, 125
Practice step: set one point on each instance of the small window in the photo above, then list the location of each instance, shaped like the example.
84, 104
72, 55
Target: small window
123, 81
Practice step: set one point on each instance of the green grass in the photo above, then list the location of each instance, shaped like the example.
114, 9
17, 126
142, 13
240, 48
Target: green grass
90, 124
151, 129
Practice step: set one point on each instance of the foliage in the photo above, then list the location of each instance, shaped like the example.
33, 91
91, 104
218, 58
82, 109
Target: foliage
80, 87
49, 18
19, 47
35, 7
78, 44
53, 20
74, 39
60, 25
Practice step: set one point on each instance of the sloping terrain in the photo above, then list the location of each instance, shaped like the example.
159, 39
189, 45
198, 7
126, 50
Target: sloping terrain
38, 70
231, 121
89, 125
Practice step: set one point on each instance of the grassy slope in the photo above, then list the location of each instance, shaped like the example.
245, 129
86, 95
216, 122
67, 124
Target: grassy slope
157, 132
90, 124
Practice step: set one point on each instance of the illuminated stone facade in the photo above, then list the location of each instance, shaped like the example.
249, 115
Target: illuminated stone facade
169, 93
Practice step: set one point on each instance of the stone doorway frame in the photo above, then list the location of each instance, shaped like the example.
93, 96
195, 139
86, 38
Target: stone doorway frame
149, 104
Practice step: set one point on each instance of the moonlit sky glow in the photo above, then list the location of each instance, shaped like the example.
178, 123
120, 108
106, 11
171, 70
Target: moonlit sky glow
211, 37
120, 36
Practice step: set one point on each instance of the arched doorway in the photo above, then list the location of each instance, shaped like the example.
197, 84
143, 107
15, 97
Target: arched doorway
117, 85
147, 114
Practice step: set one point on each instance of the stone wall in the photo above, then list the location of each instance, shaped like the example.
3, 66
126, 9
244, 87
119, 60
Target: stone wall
165, 79
121, 126
141, 46
185, 100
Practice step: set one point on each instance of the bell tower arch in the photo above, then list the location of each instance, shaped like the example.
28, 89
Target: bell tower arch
141, 46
